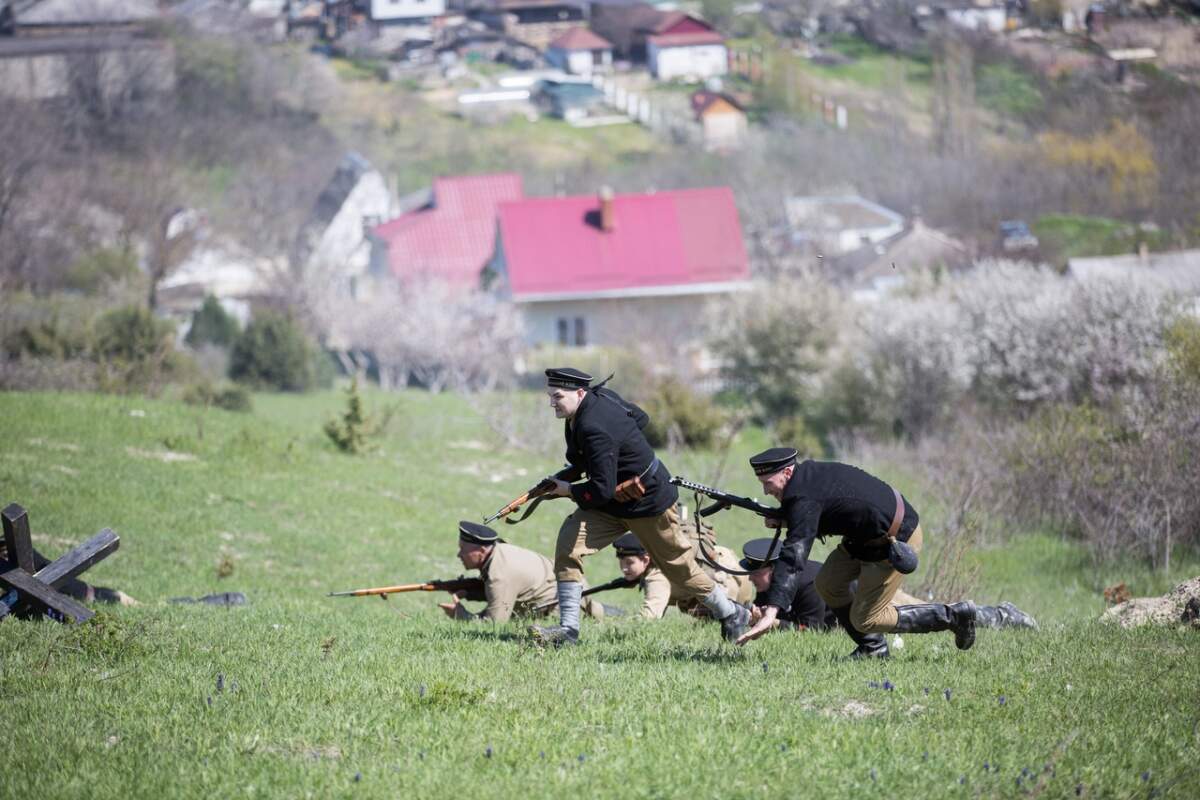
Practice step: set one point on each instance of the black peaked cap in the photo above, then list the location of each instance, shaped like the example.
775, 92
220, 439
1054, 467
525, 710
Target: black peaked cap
567, 378
773, 460
756, 555
475, 533
629, 545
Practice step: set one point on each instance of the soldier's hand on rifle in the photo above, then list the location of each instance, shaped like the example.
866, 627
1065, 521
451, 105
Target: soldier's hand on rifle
451, 609
765, 623
561, 488
772, 522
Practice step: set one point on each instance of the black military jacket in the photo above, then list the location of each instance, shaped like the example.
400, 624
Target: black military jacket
807, 609
825, 498
605, 442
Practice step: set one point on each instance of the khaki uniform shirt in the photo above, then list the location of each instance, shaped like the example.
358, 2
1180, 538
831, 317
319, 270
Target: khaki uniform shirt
517, 582
659, 593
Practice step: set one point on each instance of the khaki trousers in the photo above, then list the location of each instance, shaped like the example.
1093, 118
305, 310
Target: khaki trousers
871, 608
588, 531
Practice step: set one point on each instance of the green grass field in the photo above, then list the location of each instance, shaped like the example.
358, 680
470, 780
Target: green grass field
300, 695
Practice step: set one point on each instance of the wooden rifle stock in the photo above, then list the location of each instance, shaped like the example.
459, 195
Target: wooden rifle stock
542, 489
470, 588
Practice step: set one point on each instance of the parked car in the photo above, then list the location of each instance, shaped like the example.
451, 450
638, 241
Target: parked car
1015, 236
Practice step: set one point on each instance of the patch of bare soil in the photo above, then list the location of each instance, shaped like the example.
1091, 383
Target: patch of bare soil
1181, 605
852, 710
165, 456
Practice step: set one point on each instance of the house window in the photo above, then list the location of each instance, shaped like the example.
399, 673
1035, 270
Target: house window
572, 331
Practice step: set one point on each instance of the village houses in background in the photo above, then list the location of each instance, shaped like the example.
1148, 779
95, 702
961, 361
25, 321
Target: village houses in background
590, 269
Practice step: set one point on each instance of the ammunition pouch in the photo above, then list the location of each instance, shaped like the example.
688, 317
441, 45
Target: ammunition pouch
628, 491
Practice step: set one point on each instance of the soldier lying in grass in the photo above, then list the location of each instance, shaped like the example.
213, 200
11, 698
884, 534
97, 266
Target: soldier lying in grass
659, 593
516, 581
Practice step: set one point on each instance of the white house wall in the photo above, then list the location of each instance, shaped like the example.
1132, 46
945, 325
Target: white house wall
676, 321
395, 10
344, 248
695, 62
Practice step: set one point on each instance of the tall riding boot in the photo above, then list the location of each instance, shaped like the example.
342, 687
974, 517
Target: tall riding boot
870, 645
1005, 615
934, 617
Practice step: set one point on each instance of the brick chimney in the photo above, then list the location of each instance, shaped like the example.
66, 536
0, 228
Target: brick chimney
606, 209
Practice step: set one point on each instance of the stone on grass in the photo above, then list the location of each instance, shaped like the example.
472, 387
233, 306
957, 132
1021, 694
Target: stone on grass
1175, 607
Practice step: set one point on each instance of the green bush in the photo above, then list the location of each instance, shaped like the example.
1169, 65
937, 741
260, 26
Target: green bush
272, 353
230, 398
131, 334
44, 339
135, 351
1183, 350
211, 324
794, 432
94, 271
350, 433
679, 415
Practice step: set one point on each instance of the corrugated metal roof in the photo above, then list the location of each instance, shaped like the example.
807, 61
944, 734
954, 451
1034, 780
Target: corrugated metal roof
554, 245
454, 237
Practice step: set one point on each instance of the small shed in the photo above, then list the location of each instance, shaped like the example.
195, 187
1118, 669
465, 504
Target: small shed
568, 100
722, 118
580, 52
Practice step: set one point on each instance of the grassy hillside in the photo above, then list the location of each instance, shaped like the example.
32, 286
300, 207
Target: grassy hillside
297, 694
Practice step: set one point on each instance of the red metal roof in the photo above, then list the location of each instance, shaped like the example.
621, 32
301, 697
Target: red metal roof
686, 39
453, 239
581, 39
554, 245
678, 22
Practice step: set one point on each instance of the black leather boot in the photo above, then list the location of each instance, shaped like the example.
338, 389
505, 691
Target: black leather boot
933, 617
870, 645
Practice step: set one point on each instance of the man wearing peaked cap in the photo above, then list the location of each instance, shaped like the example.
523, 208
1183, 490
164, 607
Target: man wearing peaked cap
805, 609
881, 537
618, 484
658, 593
516, 581
808, 610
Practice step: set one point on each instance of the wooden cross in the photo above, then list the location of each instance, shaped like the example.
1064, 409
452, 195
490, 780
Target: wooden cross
35, 585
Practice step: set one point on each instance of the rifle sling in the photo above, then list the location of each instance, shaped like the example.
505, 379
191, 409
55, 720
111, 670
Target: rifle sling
529, 509
707, 558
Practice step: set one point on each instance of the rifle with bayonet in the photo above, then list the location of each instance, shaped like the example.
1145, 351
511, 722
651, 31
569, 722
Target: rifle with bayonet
537, 494
466, 588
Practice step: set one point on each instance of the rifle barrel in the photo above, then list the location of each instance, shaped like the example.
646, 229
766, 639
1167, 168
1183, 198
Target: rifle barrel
404, 587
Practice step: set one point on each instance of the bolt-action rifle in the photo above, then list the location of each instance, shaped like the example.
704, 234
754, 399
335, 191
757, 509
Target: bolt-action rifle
537, 494
615, 583
467, 588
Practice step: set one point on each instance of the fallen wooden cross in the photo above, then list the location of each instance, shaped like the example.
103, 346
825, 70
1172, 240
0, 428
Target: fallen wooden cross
36, 588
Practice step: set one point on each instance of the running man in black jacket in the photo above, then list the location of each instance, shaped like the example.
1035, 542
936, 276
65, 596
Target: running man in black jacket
825, 498
626, 489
